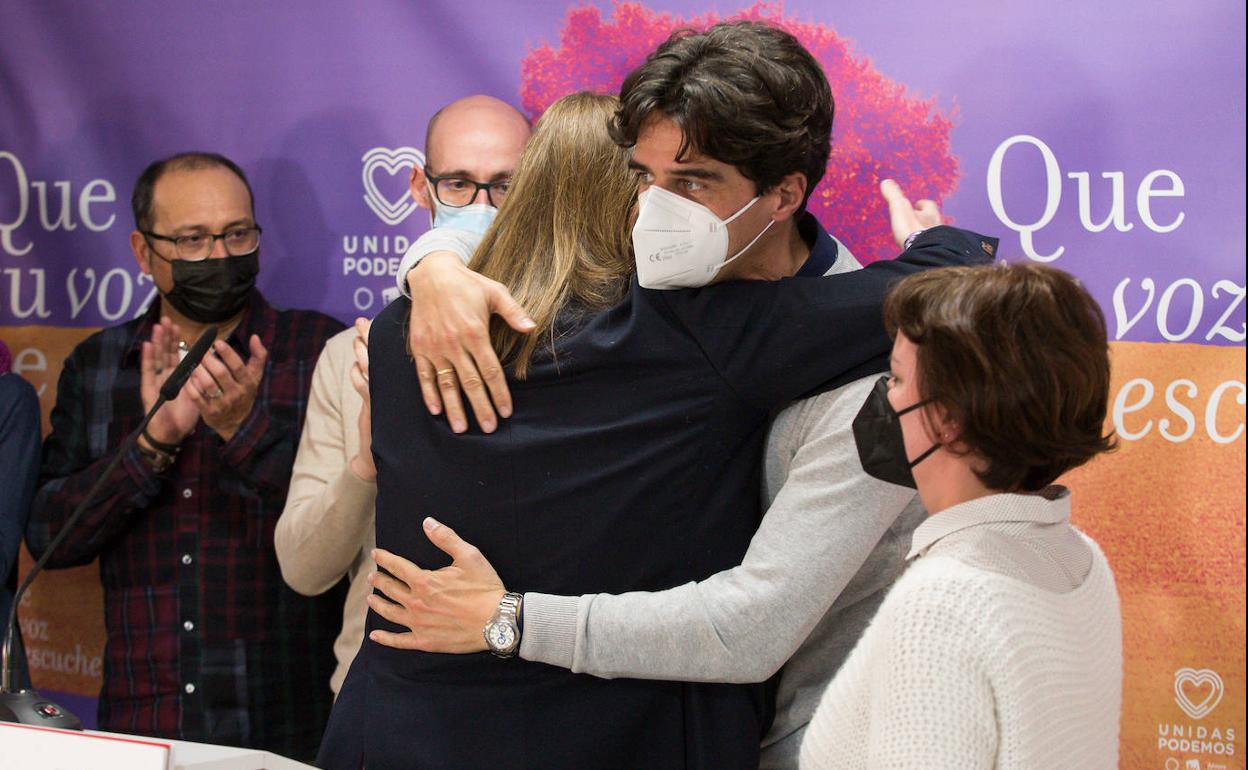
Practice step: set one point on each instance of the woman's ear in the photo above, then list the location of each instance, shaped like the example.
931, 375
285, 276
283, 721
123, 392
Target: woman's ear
942, 428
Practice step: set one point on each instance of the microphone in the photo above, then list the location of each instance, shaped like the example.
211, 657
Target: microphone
169, 391
28, 706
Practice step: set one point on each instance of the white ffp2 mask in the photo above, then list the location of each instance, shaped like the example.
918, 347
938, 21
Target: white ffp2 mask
679, 244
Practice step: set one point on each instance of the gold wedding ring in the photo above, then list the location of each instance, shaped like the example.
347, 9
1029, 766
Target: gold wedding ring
445, 371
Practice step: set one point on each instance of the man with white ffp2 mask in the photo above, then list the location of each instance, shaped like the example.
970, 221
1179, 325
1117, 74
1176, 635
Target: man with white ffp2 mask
833, 538
681, 244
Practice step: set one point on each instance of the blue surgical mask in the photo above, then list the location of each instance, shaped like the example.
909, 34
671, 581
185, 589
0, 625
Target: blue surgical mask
474, 218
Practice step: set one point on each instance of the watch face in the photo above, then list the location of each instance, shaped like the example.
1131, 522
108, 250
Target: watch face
500, 635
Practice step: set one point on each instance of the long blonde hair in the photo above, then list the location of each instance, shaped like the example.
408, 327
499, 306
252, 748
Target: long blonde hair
562, 236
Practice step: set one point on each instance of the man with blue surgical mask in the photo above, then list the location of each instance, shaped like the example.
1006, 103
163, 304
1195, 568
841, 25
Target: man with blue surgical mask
471, 149
326, 528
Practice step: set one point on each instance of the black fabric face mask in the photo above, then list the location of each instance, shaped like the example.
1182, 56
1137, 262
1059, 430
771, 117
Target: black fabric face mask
881, 444
213, 290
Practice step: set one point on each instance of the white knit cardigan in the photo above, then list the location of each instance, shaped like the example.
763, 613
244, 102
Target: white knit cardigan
967, 668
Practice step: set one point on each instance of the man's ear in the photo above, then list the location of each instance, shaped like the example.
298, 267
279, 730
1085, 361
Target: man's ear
138, 245
792, 191
420, 188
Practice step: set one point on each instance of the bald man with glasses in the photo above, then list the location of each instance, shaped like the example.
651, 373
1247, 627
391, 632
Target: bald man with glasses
326, 530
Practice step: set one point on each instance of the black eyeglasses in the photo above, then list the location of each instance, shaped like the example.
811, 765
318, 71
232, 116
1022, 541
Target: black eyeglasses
457, 192
238, 241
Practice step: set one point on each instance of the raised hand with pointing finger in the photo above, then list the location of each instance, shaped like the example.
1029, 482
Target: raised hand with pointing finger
908, 219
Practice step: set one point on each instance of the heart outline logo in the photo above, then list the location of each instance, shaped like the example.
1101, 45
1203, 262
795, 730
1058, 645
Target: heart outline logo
392, 161
1197, 678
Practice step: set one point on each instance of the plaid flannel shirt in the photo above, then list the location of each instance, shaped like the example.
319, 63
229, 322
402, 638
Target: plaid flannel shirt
205, 642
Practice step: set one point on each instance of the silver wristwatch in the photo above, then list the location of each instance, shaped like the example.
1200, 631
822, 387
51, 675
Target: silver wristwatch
502, 633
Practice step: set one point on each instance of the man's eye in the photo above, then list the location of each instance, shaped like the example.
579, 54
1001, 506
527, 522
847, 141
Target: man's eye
691, 185
237, 236
644, 177
457, 185
501, 187
192, 240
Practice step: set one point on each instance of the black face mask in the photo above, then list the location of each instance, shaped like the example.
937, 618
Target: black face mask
881, 444
213, 290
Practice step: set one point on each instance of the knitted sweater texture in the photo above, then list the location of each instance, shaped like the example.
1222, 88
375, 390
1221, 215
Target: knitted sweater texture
968, 668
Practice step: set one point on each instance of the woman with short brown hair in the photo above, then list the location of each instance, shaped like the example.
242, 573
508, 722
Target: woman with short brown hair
1001, 646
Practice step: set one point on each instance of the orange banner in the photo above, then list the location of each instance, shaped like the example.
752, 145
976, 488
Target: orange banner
1167, 508
62, 615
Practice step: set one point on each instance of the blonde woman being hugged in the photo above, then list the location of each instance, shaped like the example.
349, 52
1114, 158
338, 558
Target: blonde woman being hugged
1001, 645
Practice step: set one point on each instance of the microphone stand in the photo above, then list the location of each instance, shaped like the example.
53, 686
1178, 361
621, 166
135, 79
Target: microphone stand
28, 707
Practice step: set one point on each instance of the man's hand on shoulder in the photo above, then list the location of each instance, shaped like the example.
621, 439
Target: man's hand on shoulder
449, 337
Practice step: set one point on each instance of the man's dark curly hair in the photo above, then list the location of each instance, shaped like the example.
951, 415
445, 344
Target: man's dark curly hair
744, 93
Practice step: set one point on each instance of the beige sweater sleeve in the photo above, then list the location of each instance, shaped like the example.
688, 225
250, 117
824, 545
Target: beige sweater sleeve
329, 509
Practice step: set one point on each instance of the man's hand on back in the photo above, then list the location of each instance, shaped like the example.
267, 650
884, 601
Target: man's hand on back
449, 336
444, 610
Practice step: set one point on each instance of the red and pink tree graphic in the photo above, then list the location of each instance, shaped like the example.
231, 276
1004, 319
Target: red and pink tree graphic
881, 130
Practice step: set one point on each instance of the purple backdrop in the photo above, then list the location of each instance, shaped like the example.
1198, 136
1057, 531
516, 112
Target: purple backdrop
300, 95
1107, 138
